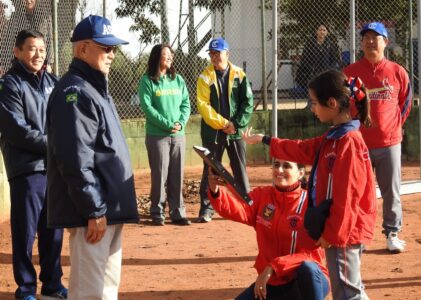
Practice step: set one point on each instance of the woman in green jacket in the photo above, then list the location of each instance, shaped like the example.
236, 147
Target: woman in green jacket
165, 101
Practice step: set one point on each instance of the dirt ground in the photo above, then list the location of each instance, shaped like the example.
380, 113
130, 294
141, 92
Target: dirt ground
214, 261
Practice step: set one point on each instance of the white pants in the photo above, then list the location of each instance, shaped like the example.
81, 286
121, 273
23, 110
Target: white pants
95, 268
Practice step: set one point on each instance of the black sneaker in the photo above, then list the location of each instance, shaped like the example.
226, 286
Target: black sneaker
181, 222
60, 294
158, 222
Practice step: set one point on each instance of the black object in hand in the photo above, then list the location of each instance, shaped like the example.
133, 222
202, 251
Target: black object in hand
220, 170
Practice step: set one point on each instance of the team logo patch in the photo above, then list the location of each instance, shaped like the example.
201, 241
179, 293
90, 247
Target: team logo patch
107, 29
268, 212
387, 85
71, 98
372, 26
294, 222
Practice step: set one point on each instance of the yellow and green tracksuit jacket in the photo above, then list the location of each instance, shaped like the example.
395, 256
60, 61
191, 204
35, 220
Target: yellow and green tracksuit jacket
208, 102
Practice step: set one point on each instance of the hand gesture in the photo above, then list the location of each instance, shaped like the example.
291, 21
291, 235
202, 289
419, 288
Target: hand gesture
251, 138
176, 127
229, 128
214, 181
323, 243
96, 229
260, 290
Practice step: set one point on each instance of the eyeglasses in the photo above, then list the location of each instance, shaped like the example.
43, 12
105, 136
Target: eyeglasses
107, 49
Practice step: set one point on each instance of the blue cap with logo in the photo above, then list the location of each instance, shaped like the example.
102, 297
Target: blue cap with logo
218, 44
98, 29
377, 27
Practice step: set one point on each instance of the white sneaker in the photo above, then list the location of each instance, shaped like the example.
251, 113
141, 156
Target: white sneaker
394, 244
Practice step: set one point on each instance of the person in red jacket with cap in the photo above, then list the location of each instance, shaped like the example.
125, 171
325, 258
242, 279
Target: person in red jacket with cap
289, 263
390, 94
341, 172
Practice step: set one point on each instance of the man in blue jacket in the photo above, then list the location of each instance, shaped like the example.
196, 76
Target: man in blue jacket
24, 92
90, 179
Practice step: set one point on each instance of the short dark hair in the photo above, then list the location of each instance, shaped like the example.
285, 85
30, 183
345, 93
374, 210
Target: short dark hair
27, 33
154, 61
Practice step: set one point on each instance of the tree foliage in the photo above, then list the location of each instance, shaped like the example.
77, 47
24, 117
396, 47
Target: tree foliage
140, 11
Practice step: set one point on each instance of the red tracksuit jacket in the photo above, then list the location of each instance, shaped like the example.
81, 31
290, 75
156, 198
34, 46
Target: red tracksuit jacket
278, 218
390, 95
353, 211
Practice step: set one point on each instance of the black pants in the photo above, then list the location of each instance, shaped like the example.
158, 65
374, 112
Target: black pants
28, 218
236, 150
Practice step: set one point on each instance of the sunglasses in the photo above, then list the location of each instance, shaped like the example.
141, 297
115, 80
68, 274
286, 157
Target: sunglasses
107, 49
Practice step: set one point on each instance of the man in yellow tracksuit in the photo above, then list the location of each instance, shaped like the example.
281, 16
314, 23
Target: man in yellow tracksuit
225, 101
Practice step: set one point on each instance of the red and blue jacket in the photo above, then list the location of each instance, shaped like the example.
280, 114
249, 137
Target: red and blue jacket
278, 218
390, 94
344, 155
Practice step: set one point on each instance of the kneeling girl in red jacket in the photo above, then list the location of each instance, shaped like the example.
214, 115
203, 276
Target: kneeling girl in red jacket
289, 264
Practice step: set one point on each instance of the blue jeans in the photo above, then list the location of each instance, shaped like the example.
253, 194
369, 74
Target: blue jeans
310, 284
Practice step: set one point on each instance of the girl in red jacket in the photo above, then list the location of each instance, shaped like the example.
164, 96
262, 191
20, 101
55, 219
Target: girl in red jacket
342, 172
289, 264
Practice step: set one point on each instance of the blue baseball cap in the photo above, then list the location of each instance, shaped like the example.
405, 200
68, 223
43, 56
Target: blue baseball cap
377, 27
218, 44
98, 29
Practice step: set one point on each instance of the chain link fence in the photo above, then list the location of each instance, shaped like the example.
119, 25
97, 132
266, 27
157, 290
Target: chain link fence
312, 36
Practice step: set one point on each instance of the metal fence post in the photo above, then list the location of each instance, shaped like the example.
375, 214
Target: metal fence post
275, 68
419, 66
55, 38
352, 49
411, 47
104, 8
264, 91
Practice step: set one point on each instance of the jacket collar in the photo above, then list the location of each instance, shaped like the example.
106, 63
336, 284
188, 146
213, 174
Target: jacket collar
340, 130
96, 78
373, 66
19, 68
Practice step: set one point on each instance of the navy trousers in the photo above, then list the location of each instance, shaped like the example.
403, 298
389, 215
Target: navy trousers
310, 284
28, 218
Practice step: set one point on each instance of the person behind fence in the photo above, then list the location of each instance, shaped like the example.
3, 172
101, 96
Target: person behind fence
90, 178
289, 264
225, 102
320, 53
390, 92
164, 99
28, 14
24, 92
341, 185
